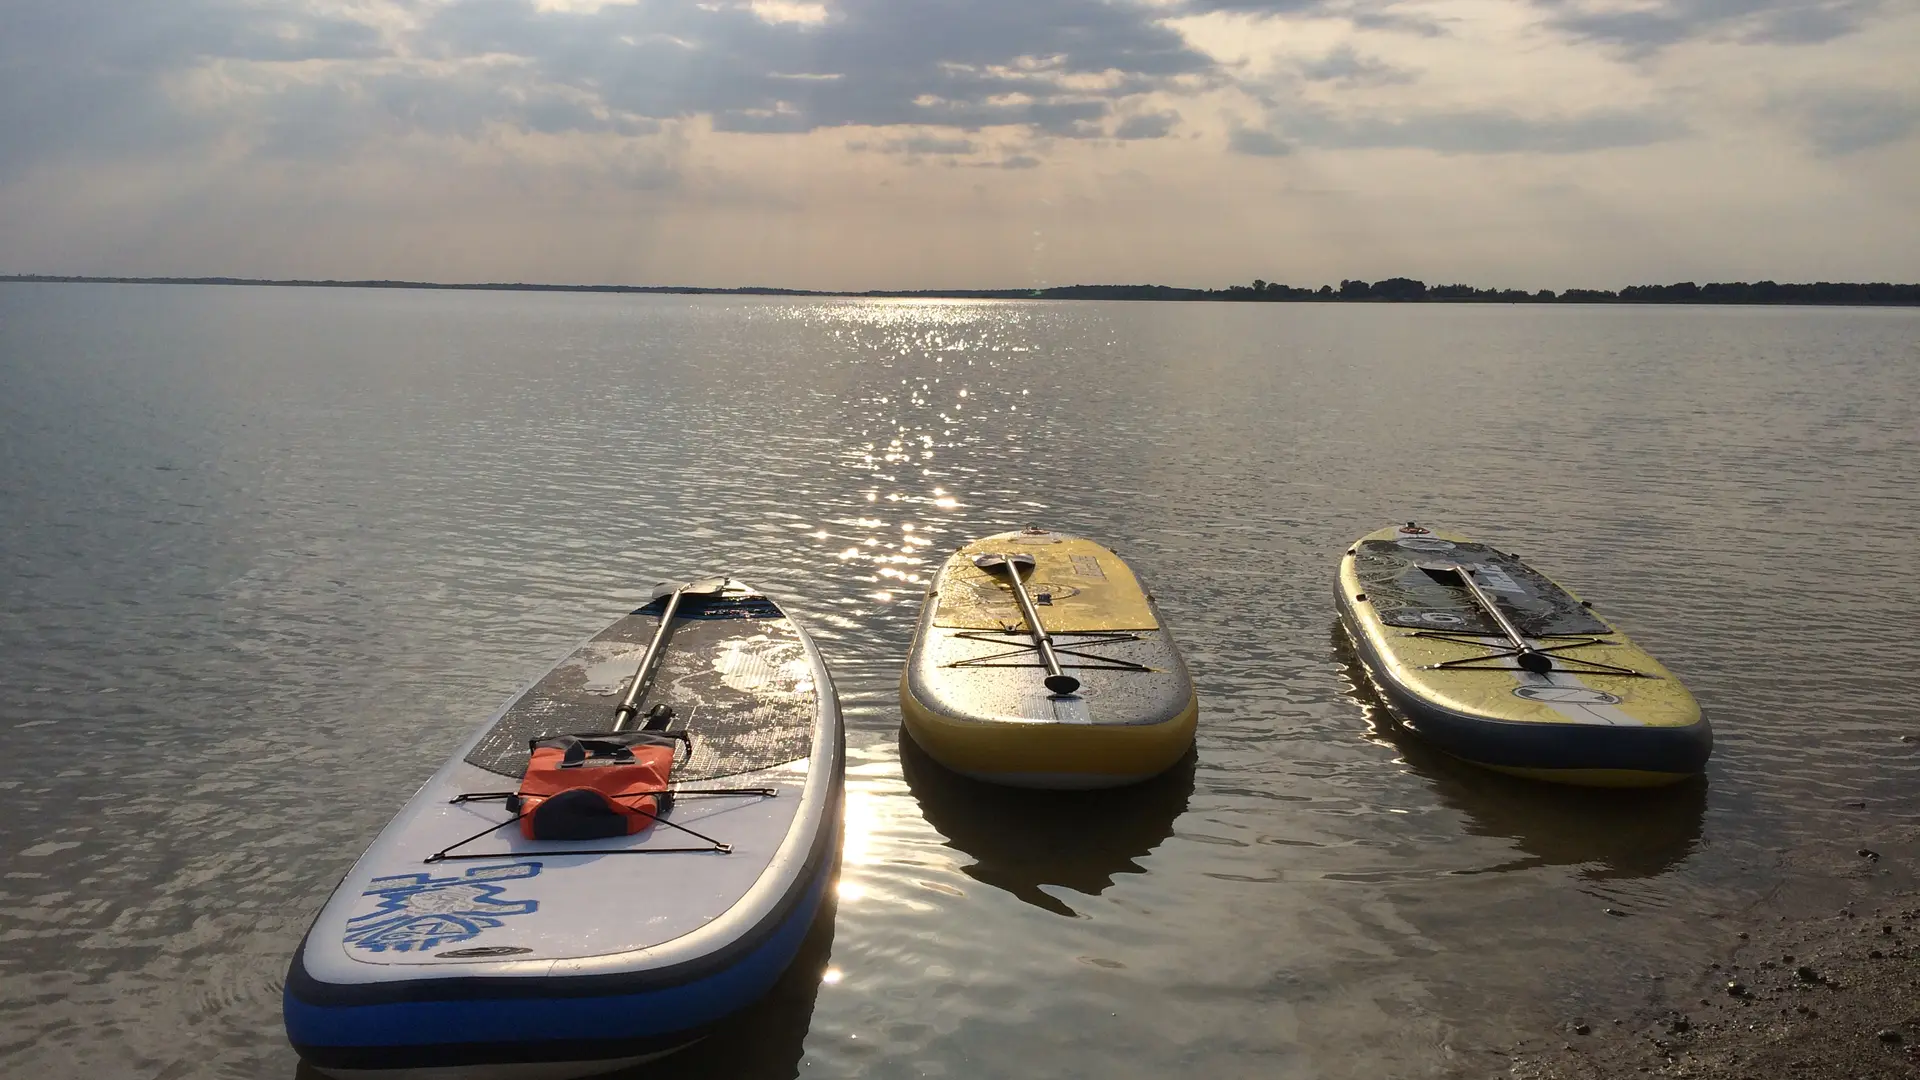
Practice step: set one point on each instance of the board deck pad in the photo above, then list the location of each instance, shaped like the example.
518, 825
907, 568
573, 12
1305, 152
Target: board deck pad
1086, 588
735, 672
1404, 595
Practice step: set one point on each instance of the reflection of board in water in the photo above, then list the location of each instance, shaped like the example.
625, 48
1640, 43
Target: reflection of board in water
1023, 839
1618, 835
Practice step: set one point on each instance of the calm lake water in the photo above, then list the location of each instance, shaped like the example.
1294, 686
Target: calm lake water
267, 555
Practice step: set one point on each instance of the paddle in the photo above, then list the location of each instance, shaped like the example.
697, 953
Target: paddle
1011, 567
1528, 657
643, 675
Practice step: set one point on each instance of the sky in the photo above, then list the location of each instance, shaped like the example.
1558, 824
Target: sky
853, 144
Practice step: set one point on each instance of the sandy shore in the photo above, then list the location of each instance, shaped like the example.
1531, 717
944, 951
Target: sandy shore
1819, 981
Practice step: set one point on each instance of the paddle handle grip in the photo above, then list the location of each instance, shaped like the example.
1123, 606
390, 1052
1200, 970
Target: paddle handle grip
643, 675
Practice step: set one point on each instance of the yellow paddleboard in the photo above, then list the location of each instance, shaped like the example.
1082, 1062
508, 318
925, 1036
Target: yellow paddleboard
1491, 661
975, 692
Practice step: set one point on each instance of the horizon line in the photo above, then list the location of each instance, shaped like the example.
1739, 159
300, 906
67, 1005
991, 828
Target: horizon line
1388, 290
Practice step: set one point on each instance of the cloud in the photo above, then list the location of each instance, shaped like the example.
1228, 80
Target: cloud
1366, 14
93, 78
919, 144
1345, 67
1397, 21
1253, 7
1147, 125
1257, 143
104, 78
1484, 131
335, 114
934, 144
1016, 161
1668, 22
1058, 67
1837, 123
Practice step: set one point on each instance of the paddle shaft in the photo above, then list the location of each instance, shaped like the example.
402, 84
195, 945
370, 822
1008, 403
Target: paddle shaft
1057, 681
643, 675
1530, 658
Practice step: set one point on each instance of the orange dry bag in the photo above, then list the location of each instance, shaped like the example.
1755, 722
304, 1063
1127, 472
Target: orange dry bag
588, 787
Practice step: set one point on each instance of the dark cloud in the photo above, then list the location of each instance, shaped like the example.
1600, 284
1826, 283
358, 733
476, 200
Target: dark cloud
1253, 7
1257, 143
1147, 126
331, 116
1057, 67
466, 102
133, 35
1481, 131
1345, 67
1368, 14
933, 144
87, 77
95, 79
1648, 29
1841, 122
92, 76
1402, 22
919, 145
1486, 131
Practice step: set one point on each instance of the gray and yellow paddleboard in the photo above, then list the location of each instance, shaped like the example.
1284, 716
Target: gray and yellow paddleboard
1492, 662
975, 694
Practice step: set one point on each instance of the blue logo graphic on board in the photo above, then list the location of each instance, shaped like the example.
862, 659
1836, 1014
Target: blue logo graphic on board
420, 911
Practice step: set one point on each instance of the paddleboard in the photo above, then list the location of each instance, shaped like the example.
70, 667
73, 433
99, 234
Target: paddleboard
486, 933
1493, 662
975, 693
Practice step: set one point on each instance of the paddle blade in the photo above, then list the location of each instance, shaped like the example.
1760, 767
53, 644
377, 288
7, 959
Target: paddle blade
1062, 684
1443, 573
702, 587
1003, 565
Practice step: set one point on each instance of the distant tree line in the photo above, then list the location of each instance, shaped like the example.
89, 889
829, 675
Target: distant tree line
1391, 290
1408, 290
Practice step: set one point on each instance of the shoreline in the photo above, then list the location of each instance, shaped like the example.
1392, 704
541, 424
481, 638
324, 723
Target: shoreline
1817, 980
1389, 291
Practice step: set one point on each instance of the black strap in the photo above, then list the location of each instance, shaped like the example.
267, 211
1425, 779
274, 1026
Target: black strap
615, 746
665, 804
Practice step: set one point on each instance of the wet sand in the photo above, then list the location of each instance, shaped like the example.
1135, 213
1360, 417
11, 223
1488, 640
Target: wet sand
1816, 982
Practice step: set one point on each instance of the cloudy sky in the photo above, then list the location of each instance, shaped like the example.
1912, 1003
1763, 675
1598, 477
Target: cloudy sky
930, 143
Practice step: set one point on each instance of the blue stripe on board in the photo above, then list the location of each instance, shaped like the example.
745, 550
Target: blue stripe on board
532, 1019
1682, 750
1533, 744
